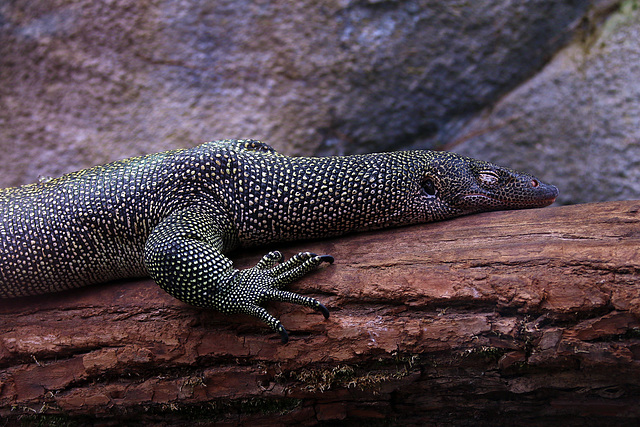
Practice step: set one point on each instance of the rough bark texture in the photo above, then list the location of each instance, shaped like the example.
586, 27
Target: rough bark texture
526, 315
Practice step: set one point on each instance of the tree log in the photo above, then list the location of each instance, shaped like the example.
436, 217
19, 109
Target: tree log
527, 315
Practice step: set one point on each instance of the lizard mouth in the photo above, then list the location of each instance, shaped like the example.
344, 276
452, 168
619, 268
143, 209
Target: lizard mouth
541, 198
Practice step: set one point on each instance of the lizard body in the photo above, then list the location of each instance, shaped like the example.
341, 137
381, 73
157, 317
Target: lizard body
174, 215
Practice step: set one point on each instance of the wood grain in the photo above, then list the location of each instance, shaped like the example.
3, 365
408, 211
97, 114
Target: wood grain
534, 314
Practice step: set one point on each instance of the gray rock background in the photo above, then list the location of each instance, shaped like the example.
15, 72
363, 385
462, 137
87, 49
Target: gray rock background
577, 122
544, 86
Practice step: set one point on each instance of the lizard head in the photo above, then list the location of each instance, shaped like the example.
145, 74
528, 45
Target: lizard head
452, 185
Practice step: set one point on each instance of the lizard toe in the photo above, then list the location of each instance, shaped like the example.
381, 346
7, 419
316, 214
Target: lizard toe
269, 261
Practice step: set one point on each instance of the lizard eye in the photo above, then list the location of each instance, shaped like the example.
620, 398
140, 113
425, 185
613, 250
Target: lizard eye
429, 188
488, 177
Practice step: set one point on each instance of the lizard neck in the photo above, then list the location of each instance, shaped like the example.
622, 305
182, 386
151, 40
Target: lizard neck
308, 197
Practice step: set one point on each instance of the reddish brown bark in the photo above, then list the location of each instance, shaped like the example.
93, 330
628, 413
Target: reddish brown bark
529, 314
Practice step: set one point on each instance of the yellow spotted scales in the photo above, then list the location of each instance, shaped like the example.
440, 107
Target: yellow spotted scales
174, 215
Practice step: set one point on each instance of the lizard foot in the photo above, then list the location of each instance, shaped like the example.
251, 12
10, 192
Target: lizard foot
254, 286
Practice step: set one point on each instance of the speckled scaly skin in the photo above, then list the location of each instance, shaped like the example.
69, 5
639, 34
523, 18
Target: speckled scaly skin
173, 216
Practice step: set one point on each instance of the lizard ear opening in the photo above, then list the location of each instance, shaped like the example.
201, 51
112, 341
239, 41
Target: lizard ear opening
429, 188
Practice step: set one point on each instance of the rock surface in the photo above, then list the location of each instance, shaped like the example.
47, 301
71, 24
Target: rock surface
529, 314
86, 82
577, 122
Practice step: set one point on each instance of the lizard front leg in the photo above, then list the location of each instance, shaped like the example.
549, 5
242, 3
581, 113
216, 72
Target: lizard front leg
184, 255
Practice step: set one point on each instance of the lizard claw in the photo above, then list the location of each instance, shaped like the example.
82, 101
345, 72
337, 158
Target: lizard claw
327, 258
322, 309
284, 336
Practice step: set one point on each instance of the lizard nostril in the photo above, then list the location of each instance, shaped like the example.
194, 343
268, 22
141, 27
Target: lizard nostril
534, 183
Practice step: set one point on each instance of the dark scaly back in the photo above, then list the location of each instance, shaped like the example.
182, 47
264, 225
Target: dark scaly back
81, 228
